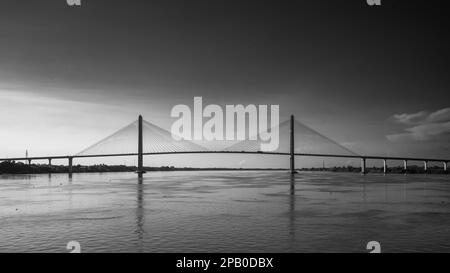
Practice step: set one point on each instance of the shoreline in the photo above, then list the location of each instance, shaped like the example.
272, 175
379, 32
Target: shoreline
11, 168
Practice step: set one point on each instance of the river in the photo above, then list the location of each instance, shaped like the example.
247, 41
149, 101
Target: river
226, 211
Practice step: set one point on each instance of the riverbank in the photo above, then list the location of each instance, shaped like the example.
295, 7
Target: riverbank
12, 167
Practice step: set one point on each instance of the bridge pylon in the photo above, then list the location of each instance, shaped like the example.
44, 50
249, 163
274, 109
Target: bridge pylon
292, 147
140, 170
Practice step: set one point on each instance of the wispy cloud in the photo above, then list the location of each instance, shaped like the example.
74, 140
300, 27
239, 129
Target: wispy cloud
410, 118
424, 126
442, 115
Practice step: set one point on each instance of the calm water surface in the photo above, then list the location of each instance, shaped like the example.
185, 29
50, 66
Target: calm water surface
244, 211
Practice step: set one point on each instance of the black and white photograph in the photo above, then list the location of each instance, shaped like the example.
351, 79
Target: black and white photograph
224, 127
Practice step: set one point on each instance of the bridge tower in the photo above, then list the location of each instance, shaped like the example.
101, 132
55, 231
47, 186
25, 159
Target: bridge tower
140, 169
292, 150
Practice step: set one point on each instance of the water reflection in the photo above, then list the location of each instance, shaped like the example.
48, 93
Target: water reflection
49, 180
386, 199
404, 189
140, 215
364, 191
292, 208
70, 192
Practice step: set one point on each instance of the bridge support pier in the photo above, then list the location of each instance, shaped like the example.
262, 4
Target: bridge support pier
70, 165
29, 161
445, 166
140, 171
363, 165
292, 150
425, 166
405, 166
384, 166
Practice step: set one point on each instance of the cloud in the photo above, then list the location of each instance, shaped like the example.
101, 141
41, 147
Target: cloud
442, 115
410, 118
423, 117
427, 126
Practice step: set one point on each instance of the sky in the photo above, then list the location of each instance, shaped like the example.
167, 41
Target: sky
374, 79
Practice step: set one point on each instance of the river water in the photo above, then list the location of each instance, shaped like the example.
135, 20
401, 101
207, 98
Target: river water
228, 211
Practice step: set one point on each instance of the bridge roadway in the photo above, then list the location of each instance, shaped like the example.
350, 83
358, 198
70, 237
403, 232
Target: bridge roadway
362, 157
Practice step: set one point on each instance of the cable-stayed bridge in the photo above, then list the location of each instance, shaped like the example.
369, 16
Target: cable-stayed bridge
142, 138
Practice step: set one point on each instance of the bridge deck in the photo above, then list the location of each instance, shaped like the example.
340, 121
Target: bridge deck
227, 152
